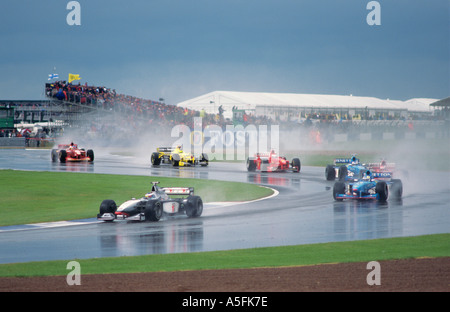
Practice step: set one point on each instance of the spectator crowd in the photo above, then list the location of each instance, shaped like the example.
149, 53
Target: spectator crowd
137, 114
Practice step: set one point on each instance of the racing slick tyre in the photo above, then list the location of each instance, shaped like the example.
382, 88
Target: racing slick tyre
382, 190
62, 156
338, 188
175, 160
330, 173
342, 173
204, 160
90, 154
153, 211
251, 165
108, 206
155, 160
296, 165
194, 207
397, 188
54, 155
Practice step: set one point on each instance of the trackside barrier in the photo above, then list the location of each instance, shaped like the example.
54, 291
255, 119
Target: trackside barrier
12, 142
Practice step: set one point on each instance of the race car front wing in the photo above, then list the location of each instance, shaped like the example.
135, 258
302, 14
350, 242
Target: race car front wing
357, 196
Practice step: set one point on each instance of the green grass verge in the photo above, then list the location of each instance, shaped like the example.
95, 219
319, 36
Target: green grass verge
428, 154
31, 197
355, 251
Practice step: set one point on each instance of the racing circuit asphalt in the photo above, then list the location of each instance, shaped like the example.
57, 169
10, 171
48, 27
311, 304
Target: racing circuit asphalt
303, 212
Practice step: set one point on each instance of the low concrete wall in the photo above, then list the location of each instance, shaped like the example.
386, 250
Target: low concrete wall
12, 142
23, 142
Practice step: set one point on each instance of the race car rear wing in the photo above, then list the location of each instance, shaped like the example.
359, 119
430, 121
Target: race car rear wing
265, 155
64, 146
341, 161
377, 166
165, 149
178, 190
382, 175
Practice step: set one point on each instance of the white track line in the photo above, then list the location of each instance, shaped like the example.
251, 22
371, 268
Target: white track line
46, 225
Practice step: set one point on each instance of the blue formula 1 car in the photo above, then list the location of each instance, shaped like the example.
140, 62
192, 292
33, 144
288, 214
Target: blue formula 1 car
374, 186
345, 169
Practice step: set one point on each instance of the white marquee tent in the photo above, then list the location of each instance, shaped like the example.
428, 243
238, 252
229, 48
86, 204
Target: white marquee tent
269, 104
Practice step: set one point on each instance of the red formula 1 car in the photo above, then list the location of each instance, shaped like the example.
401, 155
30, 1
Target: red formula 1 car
271, 162
381, 167
71, 152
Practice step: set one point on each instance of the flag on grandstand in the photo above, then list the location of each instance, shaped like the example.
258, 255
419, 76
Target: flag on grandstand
73, 77
53, 76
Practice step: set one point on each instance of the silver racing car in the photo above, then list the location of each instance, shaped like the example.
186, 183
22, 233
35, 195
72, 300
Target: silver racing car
153, 205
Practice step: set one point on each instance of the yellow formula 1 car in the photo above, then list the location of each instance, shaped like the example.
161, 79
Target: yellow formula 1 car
177, 157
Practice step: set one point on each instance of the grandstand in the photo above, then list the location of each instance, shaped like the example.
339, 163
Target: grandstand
100, 112
38, 111
92, 99
443, 108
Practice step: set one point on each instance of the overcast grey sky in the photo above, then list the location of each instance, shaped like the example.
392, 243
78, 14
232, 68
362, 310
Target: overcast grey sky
179, 49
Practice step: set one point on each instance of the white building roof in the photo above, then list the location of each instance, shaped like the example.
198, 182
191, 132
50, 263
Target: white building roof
210, 102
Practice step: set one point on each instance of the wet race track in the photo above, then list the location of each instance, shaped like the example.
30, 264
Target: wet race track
302, 212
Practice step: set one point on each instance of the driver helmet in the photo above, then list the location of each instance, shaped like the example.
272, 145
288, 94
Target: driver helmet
367, 175
354, 160
150, 195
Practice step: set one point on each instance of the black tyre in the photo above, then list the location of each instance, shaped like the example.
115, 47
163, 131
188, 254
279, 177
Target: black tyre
251, 165
54, 155
397, 188
90, 154
155, 160
382, 190
338, 188
194, 207
296, 165
204, 160
342, 173
330, 173
176, 160
108, 206
62, 156
153, 211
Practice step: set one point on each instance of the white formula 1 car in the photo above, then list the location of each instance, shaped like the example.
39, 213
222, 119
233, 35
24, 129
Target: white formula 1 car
153, 205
